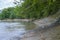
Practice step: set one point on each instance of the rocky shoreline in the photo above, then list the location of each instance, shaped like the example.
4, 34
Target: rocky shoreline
47, 23
43, 24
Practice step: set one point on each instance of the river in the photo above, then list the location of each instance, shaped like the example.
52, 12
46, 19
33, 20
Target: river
14, 30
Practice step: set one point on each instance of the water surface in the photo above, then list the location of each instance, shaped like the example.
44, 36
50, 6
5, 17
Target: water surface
12, 30
15, 30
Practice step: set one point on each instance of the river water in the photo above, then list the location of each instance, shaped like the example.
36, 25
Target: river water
14, 30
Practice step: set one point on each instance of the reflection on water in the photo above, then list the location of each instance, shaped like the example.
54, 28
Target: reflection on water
14, 29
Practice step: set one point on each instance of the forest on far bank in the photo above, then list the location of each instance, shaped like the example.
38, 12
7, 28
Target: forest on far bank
31, 9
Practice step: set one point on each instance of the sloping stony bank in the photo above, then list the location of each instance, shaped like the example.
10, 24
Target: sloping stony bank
47, 23
50, 34
39, 32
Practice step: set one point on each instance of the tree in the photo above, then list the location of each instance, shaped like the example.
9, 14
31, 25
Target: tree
8, 13
32, 9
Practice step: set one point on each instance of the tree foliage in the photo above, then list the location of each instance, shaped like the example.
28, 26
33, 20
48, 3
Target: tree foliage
39, 8
7, 13
32, 9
